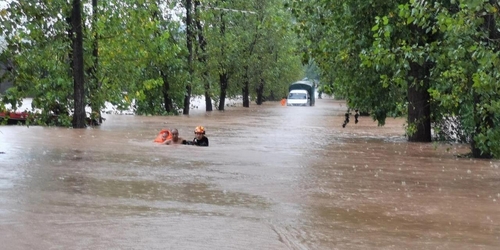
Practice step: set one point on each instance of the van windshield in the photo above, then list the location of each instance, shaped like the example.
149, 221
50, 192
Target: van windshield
297, 96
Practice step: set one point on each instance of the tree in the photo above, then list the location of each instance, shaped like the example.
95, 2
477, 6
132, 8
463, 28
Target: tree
39, 37
202, 58
334, 34
247, 43
78, 74
190, 37
122, 69
161, 88
134, 52
463, 78
435, 59
94, 83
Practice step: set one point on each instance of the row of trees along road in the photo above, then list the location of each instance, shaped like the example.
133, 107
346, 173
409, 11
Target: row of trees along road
437, 62
70, 54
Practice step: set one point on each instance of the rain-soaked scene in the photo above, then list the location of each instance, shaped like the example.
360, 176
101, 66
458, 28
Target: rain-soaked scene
273, 177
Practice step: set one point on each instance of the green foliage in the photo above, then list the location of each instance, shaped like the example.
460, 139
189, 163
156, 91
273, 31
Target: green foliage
257, 45
142, 55
142, 48
467, 74
336, 34
312, 71
40, 47
364, 49
39, 50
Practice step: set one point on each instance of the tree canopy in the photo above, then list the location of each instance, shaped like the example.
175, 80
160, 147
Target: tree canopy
434, 62
137, 51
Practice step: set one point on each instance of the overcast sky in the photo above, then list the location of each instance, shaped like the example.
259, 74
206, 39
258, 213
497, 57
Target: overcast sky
2, 44
3, 5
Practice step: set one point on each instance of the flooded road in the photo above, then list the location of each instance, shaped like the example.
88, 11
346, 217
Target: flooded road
273, 178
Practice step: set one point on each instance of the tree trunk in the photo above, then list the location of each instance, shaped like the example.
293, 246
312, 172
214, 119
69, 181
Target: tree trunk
189, 42
260, 93
246, 89
223, 76
167, 100
419, 103
246, 84
203, 57
169, 106
78, 73
246, 93
223, 79
94, 96
208, 96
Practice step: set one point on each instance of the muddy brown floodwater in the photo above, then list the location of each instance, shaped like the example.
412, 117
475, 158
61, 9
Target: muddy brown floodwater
273, 178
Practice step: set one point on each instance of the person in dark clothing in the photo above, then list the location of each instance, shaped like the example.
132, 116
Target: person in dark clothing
200, 139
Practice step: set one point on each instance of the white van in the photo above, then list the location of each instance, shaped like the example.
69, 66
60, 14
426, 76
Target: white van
298, 97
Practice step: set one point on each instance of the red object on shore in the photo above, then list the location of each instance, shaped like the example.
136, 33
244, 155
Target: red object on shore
14, 116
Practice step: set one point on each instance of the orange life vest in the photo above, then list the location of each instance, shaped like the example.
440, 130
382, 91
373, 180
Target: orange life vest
161, 136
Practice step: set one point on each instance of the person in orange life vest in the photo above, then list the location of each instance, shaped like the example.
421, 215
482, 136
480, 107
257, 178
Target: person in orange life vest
200, 139
163, 136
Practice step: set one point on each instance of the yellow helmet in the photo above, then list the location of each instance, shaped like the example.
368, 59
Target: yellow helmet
199, 129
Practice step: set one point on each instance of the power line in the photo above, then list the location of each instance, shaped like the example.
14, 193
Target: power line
233, 10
